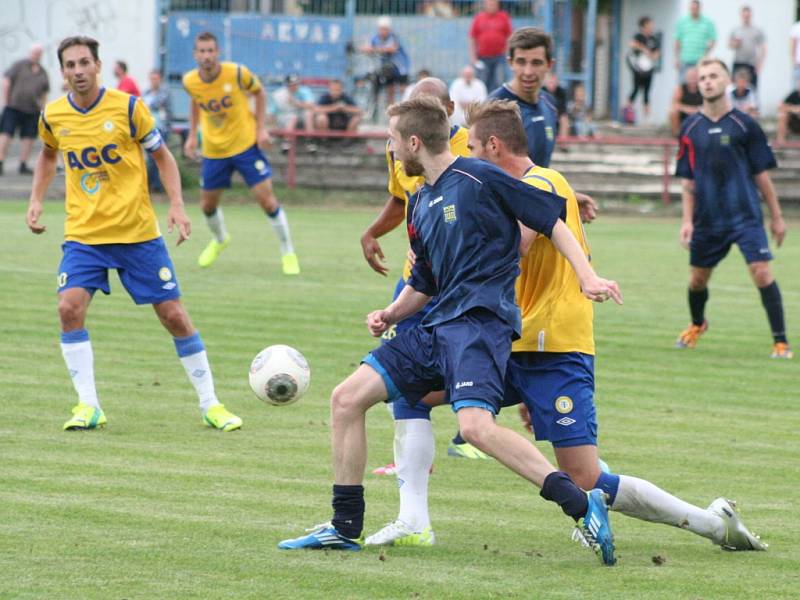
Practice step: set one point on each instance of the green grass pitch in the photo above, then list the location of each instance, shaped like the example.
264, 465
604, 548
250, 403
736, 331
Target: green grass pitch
158, 506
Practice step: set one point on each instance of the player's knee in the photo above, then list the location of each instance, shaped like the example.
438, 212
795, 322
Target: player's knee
474, 432
343, 400
762, 274
70, 312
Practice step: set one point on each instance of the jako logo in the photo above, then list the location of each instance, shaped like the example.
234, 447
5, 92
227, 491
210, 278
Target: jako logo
463, 384
91, 158
214, 105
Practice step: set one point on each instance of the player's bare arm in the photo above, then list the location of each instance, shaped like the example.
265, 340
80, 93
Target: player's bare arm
687, 211
263, 139
170, 177
526, 239
777, 225
593, 287
43, 174
390, 217
190, 147
408, 302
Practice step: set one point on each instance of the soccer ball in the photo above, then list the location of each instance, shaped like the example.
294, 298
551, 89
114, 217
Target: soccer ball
279, 375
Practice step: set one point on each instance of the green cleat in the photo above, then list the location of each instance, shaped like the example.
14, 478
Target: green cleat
290, 264
85, 417
221, 418
737, 535
212, 251
398, 533
466, 450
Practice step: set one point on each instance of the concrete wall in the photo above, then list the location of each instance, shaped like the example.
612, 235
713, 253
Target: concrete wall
126, 30
775, 18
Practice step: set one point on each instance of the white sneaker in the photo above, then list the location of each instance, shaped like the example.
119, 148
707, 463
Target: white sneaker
397, 533
737, 535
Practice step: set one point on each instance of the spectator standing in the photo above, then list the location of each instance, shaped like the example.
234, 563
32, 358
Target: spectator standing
488, 43
157, 99
695, 36
126, 83
642, 59
395, 64
741, 94
686, 100
25, 87
464, 91
559, 94
580, 115
789, 115
749, 47
794, 34
336, 110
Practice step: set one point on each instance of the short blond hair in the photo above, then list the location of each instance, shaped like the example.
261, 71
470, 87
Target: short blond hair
707, 62
501, 119
424, 117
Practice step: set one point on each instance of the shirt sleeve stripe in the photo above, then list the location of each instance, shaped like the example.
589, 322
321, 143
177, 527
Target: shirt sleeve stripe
46, 124
131, 106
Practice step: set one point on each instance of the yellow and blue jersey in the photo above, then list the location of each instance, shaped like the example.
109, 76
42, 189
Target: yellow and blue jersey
107, 201
227, 124
556, 316
404, 186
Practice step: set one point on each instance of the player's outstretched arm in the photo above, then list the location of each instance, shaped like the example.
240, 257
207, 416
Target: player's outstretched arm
171, 178
43, 173
593, 287
777, 225
408, 302
389, 218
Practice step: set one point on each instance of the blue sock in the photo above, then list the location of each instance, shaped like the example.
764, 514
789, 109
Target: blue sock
402, 409
348, 510
191, 344
609, 483
558, 487
458, 440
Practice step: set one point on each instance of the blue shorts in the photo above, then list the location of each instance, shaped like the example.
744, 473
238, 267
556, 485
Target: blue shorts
145, 269
466, 357
252, 164
558, 389
707, 248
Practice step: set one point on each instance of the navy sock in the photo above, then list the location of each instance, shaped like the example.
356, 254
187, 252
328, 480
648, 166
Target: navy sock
697, 305
773, 304
609, 483
558, 487
348, 510
458, 440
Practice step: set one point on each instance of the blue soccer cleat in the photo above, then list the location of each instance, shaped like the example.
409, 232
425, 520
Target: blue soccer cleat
594, 530
321, 537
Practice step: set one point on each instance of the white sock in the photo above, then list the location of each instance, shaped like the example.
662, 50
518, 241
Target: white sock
80, 363
641, 499
413, 456
194, 359
216, 223
281, 227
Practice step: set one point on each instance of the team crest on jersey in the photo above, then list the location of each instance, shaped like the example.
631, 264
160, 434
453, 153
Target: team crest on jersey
564, 404
449, 213
164, 274
108, 126
227, 87
548, 131
725, 140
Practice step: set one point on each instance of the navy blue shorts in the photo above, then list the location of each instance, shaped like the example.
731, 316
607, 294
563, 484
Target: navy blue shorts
145, 269
252, 165
707, 248
466, 357
558, 389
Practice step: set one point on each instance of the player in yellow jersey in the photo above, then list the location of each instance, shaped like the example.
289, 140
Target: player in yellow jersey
551, 370
231, 141
111, 224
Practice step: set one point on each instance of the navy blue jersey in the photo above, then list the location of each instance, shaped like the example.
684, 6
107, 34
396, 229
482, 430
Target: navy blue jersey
722, 157
465, 234
540, 121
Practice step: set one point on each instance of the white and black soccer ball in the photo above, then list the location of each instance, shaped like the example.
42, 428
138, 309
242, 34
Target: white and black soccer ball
279, 375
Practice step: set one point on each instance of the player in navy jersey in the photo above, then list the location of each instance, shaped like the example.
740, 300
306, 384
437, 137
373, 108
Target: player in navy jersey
723, 160
465, 235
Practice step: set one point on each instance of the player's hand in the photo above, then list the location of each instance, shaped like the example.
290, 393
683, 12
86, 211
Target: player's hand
525, 416
32, 218
598, 289
685, 234
374, 254
412, 257
378, 321
778, 228
190, 147
263, 139
587, 207
176, 217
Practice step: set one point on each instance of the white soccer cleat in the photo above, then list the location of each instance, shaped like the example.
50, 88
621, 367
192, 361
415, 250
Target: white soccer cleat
397, 533
737, 535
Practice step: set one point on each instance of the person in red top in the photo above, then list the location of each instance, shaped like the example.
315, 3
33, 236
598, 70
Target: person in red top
126, 83
488, 43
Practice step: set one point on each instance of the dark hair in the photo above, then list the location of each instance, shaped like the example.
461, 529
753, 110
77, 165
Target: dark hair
644, 21
501, 119
530, 37
78, 40
122, 65
206, 36
424, 117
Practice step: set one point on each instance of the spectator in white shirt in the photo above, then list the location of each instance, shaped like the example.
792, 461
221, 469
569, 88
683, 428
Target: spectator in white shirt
464, 91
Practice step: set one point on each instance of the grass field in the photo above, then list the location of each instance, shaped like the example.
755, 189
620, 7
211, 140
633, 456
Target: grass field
158, 506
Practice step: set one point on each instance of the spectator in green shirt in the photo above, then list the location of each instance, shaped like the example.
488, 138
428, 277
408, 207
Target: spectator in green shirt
695, 36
